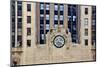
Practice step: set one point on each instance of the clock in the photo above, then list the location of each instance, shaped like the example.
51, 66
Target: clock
59, 41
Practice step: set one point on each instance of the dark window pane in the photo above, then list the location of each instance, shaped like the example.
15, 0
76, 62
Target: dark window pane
61, 12
19, 39
86, 32
56, 12
28, 7
86, 11
19, 19
19, 7
13, 41
41, 11
28, 19
47, 22
86, 42
47, 11
19, 25
61, 22
55, 22
41, 21
28, 43
28, 31
19, 2
19, 13
41, 31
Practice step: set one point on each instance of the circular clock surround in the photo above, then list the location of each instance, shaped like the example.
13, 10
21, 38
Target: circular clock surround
59, 41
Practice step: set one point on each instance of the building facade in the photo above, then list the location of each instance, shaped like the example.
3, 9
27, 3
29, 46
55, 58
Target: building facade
37, 27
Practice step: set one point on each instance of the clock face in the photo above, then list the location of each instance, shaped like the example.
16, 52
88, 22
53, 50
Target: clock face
59, 41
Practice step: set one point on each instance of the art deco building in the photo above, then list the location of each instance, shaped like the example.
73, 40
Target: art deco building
51, 32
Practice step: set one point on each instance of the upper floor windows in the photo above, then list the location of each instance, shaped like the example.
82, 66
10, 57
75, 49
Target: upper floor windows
61, 7
86, 42
85, 21
28, 43
56, 7
28, 7
55, 17
47, 6
28, 19
41, 6
41, 16
86, 11
86, 32
28, 31
61, 17
47, 17
19, 2
19, 10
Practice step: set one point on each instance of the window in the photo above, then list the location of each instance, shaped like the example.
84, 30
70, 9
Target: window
42, 36
56, 17
86, 32
19, 40
56, 7
28, 7
74, 18
41, 16
19, 7
47, 17
61, 17
28, 43
86, 42
47, 6
47, 26
61, 7
19, 19
86, 11
19, 13
19, 2
28, 31
28, 19
86, 21
41, 6
93, 22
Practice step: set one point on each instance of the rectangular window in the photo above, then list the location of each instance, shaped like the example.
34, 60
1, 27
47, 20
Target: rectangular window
41, 6
86, 42
47, 6
19, 19
61, 17
85, 21
61, 7
28, 7
47, 26
28, 31
86, 11
28, 43
19, 2
86, 32
47, 17
19, 40
41, 16
19, 7
56, 7
28, 19
55, 17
